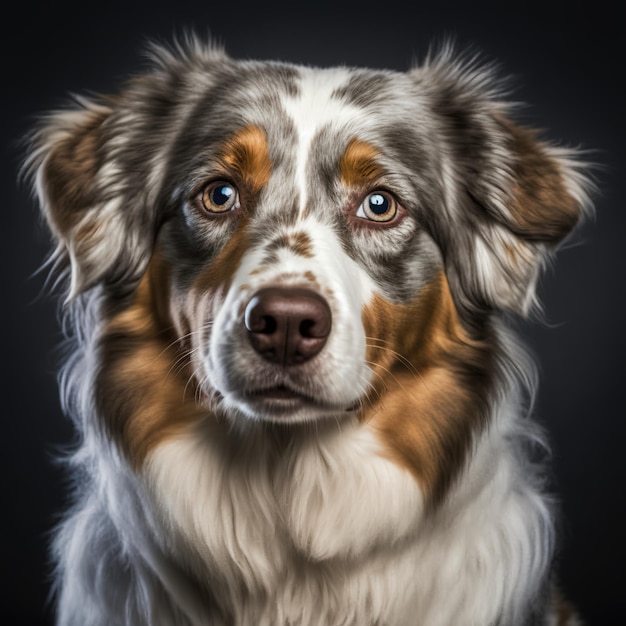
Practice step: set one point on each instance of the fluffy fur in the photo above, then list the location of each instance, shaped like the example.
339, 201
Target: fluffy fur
382, 472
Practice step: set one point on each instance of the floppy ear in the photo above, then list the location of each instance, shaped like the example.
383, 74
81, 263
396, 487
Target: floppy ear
93, 207
512, 198
99, 167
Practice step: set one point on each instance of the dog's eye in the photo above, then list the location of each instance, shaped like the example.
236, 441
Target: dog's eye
378, 206
219, 197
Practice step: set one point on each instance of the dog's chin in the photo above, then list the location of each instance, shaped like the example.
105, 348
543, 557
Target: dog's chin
284, 405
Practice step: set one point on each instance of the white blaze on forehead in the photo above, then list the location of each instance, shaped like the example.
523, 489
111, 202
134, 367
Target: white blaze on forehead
313, 108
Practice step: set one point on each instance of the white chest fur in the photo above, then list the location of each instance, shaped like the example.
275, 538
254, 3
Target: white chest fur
325, 530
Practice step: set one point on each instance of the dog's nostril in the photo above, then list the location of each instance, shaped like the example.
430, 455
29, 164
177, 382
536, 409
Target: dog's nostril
268, 325
307, 328
287, 325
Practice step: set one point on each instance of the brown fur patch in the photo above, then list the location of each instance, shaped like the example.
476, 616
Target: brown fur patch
358, 166
542, 208
146, 383
144, 387
246, 155
430, 384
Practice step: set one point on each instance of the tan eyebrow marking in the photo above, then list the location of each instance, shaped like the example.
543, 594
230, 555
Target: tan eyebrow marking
246, 155
358, 166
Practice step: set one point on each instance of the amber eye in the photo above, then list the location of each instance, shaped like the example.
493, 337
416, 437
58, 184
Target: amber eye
378, 206
219, 197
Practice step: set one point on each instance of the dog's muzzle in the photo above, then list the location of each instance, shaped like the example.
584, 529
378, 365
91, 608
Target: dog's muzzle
287, 325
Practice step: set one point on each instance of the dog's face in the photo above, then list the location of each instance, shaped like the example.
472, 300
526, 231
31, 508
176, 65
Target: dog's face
313, 239
292, 212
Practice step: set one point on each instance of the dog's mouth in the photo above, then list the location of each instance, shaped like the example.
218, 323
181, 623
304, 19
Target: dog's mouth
278, 399
282, 401
277, 392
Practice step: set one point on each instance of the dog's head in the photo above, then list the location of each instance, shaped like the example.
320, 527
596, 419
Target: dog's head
310, 236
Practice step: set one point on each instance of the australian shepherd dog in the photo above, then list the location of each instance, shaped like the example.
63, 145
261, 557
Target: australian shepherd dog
291, 363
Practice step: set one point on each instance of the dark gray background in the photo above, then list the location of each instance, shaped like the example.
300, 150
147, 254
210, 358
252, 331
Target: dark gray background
569, 66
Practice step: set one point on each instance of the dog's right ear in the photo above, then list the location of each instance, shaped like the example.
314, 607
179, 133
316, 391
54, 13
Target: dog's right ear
97, 169
89, 202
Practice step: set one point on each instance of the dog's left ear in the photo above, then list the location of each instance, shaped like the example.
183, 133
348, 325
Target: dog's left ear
511, 198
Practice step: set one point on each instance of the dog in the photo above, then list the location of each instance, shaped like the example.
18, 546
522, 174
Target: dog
299, 395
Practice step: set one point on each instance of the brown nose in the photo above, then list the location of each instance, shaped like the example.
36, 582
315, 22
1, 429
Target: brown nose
287, 325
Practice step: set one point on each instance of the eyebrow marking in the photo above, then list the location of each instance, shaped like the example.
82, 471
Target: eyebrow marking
358, 166
246, 155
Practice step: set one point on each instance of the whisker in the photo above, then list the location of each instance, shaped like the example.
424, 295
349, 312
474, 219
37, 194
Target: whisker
184, 337
403, 360
185, 357
388, 371
395, 353
200, 379
182, 361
